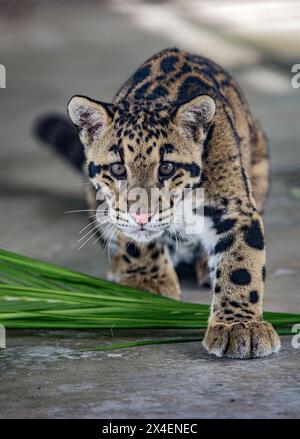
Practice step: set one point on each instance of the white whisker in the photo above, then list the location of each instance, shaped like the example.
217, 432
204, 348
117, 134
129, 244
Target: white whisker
88, 239
88, 225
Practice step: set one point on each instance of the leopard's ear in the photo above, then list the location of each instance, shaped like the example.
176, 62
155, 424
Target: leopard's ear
194, 117
89, 117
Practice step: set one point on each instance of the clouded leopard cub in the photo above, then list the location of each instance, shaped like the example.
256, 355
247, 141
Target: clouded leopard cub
179, 126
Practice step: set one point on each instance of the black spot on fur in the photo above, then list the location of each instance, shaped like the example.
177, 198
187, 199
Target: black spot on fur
186, 68
263, 272
108, 177
207, 141
218, 273
141, 74
253, 296
217, 289
126, 258
234, 304
149, 150
132, 250
221, 226
179, 176
253, 235
141, 91
165, 149
212, 212
224, 226
241, 276
158, 92
168, 148
192, 168
137, 270
224, 244
93, 169
239, 258
190, 88
154, 269
155, 254
248, 312
114, 148
168, 64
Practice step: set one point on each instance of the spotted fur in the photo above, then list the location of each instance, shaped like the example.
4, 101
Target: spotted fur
187, 110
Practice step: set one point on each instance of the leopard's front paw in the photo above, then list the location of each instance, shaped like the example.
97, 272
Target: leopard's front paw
242, 340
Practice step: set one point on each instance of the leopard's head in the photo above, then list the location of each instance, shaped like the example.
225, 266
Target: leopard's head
143, 157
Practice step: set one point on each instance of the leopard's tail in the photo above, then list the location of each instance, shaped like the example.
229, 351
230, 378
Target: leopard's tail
58, 132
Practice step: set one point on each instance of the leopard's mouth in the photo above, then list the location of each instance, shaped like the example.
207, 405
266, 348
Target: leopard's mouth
142, 235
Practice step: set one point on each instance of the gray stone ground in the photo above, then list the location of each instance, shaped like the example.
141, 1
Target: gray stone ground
50, 54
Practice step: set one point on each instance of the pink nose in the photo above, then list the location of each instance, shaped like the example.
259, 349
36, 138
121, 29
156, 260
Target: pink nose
141, 218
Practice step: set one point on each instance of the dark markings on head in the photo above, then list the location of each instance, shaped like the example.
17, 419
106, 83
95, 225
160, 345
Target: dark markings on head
207, 142
241, 276
108, 177
253, 235
192, 168
178, 183
139, 156
177, 176
93, 169
149, 150
167, 148
114, 148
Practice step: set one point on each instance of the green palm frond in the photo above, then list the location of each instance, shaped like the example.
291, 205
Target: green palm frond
35, 294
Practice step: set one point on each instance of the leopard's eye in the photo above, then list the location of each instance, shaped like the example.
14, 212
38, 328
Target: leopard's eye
118, 170
166, 169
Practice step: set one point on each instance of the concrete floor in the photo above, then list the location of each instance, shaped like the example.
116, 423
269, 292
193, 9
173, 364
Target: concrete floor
51, 54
